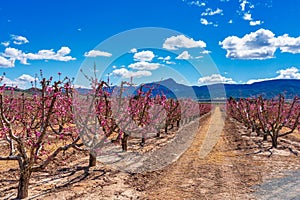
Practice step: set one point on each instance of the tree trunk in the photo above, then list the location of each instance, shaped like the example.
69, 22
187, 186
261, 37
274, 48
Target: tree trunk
23, 183
124, 142
178, 123
143, 141
265, 137
274, 141
166, 128
158, 134
92, 159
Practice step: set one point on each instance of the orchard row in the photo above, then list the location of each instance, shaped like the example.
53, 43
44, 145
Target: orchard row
37, 126
272, 118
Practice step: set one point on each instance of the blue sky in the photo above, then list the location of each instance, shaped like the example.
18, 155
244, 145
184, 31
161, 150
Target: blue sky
232, 41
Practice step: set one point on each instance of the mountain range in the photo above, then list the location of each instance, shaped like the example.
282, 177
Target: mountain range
268, 89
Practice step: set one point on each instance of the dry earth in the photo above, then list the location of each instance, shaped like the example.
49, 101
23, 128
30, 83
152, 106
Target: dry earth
239, 166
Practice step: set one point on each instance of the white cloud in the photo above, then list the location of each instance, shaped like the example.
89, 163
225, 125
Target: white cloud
25, 78
247, 16
124, 73
144, 66
205, 52
288, 44
170, 62
210, 12
289, 73
164, 58
181, 41
96, 53
18, 40
205, 22
184, 56
6, 44
167, 58
23, 82
5, 62
199, 57
13, 54
255, 23
197, 3
215, 78
60, 55
144, 56
133, 50
230, 21
243, 4
261, 44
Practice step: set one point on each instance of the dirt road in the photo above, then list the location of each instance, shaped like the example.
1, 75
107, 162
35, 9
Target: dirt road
191, 176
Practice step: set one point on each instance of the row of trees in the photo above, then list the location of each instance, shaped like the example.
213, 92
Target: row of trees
37, 127
272, 118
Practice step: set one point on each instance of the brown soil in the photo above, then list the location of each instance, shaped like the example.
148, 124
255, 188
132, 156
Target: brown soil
235, 164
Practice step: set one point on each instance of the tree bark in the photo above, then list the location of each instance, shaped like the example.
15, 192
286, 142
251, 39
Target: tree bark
124, 142
158, 134
92, 159
274, 141
143, 141
265, 137
23, 183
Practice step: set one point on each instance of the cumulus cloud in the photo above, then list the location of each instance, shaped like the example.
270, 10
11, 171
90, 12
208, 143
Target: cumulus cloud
205, 52
13, 54
144, 56
184, 56
205, 22
243, 4
60, 55
97, 53
142, 65
260, 44
197, 3
289, 73
133, 50
166, 60
23, 82
210, 12
181, 41
247, 16
124, 73
5, 62
170, 62
288, 44
215, 78
18, 40
6, 44
255, 23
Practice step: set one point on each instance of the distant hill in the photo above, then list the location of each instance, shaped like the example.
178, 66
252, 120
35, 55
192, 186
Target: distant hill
268, 89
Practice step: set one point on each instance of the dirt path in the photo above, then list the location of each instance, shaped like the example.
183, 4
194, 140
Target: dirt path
213, 133
185, 179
